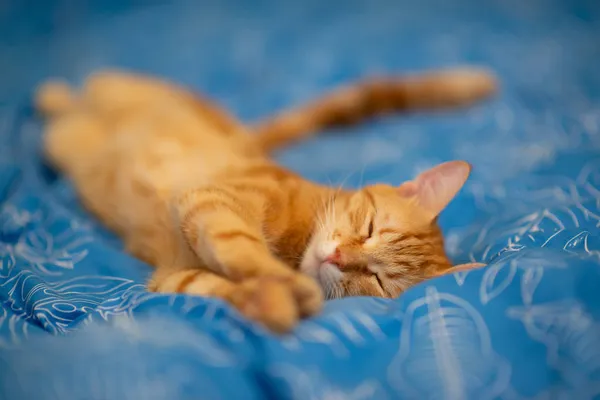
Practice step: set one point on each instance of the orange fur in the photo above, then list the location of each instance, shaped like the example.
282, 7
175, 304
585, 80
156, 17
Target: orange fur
193, 194
363, 100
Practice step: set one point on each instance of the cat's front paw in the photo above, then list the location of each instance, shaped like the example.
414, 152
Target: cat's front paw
279, 302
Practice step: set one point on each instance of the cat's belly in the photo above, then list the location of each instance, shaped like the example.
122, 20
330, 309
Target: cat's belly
148, 186
153, 155
149, 175
184, 171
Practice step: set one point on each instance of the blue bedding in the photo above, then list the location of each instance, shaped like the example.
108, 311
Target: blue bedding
76, 322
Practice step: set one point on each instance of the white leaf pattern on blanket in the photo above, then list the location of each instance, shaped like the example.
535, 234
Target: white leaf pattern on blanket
13, 220
49, 254
578, 244
500, 275
446, 352
57, 305
568, 204
50, 244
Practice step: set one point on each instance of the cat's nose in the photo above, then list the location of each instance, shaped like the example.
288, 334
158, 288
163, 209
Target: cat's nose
334, 258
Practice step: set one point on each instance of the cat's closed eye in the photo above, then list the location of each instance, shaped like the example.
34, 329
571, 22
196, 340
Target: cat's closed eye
370, 232
379, 281
367, 235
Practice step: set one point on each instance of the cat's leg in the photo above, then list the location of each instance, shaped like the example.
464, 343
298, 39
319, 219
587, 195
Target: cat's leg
73, 139
115, 92
73, 133
225, 232
261, 299
265, 300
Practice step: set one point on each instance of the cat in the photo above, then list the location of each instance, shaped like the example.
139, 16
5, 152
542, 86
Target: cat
192, 191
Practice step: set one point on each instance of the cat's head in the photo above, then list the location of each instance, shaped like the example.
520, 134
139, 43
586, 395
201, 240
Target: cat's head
380, 240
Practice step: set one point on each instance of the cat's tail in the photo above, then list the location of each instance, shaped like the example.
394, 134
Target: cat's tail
366, 99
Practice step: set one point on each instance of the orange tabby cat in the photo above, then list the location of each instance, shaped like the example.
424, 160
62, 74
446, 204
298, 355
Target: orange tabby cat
191, 192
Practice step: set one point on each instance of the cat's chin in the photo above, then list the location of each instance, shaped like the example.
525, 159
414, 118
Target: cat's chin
326, 275
310, 266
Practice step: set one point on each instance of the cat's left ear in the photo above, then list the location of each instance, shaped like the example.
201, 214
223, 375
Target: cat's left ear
436, 187
459, 268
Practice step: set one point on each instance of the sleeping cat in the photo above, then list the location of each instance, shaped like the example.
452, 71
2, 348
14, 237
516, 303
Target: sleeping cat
193, 192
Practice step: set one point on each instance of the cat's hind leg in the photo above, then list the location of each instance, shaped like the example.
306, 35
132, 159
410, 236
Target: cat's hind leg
113, 92
73, 132
110, 93
73, 139
116, 92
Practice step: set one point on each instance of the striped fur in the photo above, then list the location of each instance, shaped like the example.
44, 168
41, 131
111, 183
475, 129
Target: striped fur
363, 100
193, 194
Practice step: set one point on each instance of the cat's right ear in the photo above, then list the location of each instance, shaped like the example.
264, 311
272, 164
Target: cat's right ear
436, 187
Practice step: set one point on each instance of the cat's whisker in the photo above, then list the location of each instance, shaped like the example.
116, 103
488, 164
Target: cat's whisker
322, 213
331, 213
362, 175
324, 216
339, 292
340, 186
330, 292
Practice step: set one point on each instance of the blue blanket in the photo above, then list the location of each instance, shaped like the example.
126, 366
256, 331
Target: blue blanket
76, 322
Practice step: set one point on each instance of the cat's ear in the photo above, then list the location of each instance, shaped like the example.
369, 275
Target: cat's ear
459, 268
436, 187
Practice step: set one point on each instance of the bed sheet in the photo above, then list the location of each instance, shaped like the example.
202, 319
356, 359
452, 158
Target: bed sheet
76, 322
